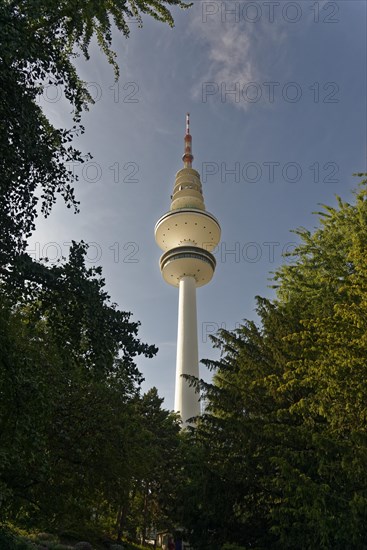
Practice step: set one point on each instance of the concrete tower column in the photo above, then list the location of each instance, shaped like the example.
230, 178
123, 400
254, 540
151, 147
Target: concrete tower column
186, 397
187, 234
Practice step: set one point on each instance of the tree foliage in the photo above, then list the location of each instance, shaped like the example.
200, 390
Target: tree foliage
153, 489
282, 448
68, 386
39, 40
73, 425
79, 445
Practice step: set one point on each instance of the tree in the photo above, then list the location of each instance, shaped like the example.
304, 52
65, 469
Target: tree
331, 366
68, 382
284, 437
153, 488
39, 40
69, 386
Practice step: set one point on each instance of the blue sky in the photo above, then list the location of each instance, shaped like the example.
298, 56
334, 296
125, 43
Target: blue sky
277, 96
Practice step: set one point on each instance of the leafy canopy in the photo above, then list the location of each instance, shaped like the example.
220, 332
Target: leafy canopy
39, 39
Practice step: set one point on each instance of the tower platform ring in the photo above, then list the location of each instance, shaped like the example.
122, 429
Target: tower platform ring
187, 226
187, 261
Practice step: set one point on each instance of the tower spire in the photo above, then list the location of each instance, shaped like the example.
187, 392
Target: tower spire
188, 123
188, 157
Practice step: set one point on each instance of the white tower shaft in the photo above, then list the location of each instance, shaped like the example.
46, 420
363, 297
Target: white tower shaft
186, 397
187, 234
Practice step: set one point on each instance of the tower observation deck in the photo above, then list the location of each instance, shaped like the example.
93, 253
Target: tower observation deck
187, 234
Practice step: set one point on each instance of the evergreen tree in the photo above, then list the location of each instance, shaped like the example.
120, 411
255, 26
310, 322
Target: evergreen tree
284, 436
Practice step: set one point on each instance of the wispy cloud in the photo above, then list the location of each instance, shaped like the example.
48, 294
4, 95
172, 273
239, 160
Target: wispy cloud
233, 52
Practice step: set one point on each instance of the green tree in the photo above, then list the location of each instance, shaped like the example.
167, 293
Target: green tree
330, 368
39, 40
69, 386
153, 490
68, 381
284, 436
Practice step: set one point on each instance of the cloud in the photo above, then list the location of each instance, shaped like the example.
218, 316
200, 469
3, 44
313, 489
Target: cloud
233, 52
230, 55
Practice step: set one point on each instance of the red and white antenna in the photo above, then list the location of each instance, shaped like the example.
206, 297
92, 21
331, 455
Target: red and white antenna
188, 157
188, 124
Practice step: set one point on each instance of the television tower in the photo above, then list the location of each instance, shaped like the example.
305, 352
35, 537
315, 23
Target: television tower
187, 234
